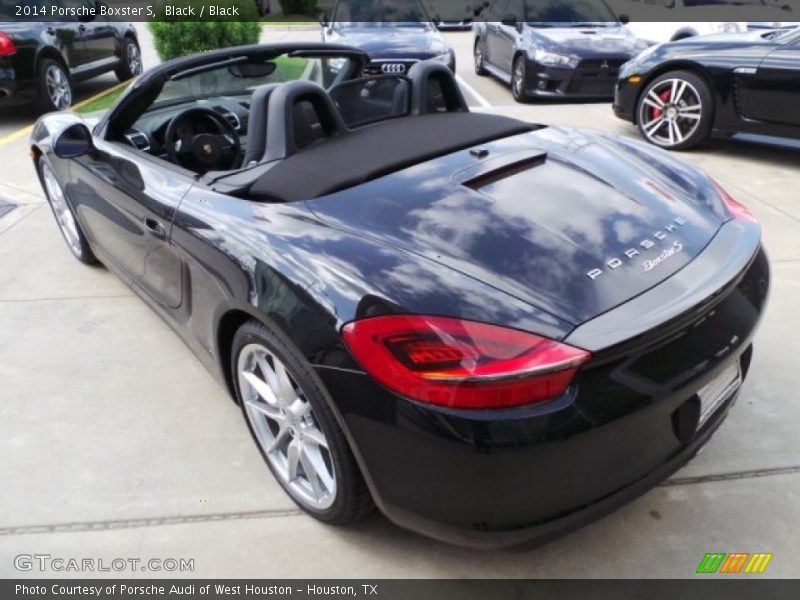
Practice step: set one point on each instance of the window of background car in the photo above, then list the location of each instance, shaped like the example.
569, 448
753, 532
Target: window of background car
573, 11
243, 78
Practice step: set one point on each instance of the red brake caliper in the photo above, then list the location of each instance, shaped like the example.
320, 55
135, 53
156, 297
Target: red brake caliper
657, 112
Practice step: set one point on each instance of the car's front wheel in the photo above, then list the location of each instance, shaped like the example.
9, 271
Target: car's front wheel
54, 86
130, 62
65, 218
290, 420
675, 110
519, 79
480, 66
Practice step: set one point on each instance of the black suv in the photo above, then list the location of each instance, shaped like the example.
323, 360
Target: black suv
40, 61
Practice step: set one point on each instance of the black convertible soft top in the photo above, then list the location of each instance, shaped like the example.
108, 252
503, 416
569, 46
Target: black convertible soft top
369, 152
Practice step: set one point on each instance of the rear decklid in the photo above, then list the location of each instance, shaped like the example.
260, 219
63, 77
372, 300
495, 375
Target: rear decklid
572, 222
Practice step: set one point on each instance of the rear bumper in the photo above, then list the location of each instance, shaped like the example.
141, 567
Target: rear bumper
13, 92
501, 478
541, 533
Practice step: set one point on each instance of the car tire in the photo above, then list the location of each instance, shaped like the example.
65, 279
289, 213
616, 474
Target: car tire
519, 79
480, 65
131, 60
54, 86
676, 110
284, 404
65, 217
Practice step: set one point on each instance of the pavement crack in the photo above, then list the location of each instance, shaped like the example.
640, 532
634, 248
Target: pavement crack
752, 474
114, 524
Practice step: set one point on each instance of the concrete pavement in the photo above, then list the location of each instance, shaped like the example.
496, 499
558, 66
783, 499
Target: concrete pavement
116, 443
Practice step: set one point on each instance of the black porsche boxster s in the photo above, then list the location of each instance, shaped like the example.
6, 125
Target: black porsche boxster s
495, 331
742, 86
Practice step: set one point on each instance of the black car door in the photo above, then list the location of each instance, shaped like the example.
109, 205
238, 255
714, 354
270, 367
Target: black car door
496, 13
772, 93
508, 34
126, 202
100, 39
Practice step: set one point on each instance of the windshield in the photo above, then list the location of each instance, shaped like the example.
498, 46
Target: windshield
242, 78
569, 13
383, 12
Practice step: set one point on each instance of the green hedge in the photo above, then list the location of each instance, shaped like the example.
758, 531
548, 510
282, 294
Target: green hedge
174, 37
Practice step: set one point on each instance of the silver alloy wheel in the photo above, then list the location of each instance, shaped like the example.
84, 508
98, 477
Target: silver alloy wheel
62, 211
670, 112
478, 57
285, 427
134, 59
518, 79
58, 87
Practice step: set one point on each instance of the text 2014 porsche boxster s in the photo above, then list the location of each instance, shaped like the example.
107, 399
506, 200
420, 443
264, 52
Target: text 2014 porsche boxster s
493, 330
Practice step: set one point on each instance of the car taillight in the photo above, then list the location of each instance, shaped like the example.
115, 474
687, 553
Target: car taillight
462, 364
7, 46
737, 210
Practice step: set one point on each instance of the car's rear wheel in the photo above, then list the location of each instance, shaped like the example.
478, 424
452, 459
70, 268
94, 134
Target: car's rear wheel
131, 61
291, 422
65, 218
480, 66
675, 110
54, 86
519, 79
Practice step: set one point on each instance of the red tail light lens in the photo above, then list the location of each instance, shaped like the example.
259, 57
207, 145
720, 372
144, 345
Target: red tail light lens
7, 46
462, 364
737, 210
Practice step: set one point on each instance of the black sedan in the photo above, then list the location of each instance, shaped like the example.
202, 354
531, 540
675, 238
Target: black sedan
559, 49
41, 61
495, 331
396, 34
740, 86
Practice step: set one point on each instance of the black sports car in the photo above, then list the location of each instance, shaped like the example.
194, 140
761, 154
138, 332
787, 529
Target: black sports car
559, 49
496, 331
41, 61
742, 86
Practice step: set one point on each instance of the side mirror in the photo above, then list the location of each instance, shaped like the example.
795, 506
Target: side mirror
509, 20
74, 141
624, 19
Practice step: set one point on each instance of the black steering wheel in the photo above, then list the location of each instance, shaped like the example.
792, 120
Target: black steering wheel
191, 144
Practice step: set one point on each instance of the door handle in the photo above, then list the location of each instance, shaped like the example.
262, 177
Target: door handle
155, 228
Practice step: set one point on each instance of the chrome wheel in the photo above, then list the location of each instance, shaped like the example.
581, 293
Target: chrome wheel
670, 112
62, 211
284, 426
58, 87
134, 59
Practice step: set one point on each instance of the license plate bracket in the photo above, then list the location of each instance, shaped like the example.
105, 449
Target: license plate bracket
717, 391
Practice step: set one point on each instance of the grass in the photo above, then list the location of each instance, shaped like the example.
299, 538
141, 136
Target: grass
103, 102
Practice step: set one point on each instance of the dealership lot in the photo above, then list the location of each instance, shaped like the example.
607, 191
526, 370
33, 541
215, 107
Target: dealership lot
116, 442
